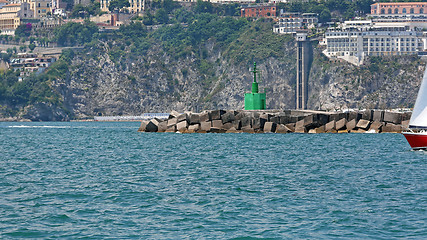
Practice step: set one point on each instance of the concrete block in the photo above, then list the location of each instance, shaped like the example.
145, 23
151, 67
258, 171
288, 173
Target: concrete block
240, 115
320, 129
270, 127
217, 124
312, 131
246, 121
194, 128
281, 128
322, 119
340, 124
162, 126
255, 114
183, 125
205, 126
291, 126
299, 127
216, 114
406, 116
204, 117
232, 130
376, 126
315, 120
228, 117
330, 126
405, 124
363, 124
392, 128
310, 121
143, 126
263, 118
237, 124
182, 117
285, 119
378, 115
173, 114
227, 126
171, 129
350, 125
172, 122
353, 115
194, 118
256, 124
275, 119
248, 129
393, 117
152, 126
337, 116
366, 115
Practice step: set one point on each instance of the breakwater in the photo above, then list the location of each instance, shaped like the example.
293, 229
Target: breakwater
279, 121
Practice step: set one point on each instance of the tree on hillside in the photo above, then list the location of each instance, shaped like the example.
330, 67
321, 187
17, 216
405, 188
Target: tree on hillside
203, 7
161, 16
23, 30
117, 5
32, 46
72, 33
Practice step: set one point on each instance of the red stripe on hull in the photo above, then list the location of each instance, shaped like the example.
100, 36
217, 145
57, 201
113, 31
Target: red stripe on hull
416, 140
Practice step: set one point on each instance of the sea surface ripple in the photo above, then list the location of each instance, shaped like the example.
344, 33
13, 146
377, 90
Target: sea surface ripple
106, 181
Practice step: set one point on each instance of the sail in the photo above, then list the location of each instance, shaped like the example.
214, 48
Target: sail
419, 114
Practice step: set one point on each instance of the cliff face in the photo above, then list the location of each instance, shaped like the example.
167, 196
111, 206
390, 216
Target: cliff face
157, 82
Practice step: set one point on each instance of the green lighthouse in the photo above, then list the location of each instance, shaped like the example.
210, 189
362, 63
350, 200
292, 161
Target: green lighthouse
254, 100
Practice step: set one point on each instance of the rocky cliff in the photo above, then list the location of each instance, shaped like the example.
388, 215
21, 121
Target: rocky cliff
157, 82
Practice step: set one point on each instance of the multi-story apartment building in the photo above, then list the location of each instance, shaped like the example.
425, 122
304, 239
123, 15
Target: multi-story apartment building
291, 23
136, 6
398, 8
42, 8
11, 15
258, 11
353, 44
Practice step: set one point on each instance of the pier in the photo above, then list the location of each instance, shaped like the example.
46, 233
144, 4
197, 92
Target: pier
280, 121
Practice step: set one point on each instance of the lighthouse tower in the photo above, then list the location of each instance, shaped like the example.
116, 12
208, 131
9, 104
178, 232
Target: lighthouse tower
255, 100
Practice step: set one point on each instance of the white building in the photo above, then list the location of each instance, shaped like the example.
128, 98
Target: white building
353, 40
354, 45
291, 23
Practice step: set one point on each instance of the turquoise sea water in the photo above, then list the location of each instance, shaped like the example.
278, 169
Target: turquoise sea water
97, 180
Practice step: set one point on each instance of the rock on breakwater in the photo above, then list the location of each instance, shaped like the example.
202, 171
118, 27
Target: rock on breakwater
280, 121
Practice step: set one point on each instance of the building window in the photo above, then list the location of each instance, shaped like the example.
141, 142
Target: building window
404, 10
396, 11
411, 10
421, 10
383, 11
389, 11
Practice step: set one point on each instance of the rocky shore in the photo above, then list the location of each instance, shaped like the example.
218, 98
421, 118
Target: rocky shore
278, 121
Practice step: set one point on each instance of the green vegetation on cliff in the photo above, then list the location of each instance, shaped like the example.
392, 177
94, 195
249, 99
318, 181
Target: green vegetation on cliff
199, 57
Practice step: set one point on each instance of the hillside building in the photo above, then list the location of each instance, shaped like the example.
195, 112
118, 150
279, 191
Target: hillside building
29, 63
358, 39
136, 6
291, 23
398, 8
11, 15
258, 11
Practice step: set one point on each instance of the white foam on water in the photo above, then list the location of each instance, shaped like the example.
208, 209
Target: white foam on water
23, 126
